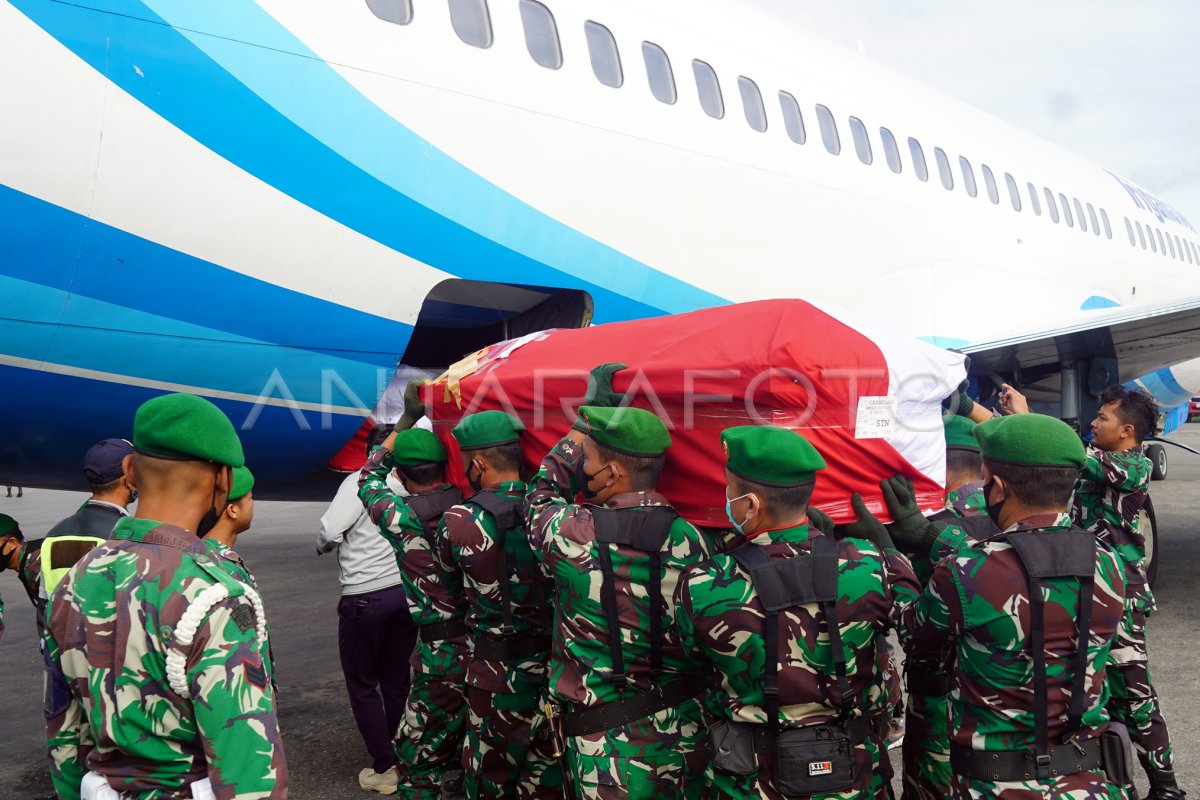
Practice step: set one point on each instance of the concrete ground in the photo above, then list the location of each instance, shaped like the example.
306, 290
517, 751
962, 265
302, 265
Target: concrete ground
301, 592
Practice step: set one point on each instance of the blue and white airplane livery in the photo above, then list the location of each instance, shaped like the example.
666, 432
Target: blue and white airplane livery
275, 203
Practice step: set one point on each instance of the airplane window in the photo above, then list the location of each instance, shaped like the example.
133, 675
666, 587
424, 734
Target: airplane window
1092, 218
1162, 247
752, 104
1066, 210
1107, 227
1142, 235
709, 89
398, 11
471, 22
829, 131
1192, 255
1014, 194
890, 150
1179, 247
1195, 251
990, 181
602, 49
968, 177
944, 167
1129, 230
918, 158
1050, 207
1079, 215
1150, 236
658, 72
1171, 244
791, 117
862, 144
541, 35
1033, 199
1187, 249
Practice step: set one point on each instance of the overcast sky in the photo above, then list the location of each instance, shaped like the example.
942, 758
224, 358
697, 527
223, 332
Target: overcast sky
1115, 81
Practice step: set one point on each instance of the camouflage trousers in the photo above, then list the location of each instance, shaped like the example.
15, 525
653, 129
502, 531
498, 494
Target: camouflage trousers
660, 757
1133, 700
873, 781
1082, 786
507, 756
429, 740
926, 748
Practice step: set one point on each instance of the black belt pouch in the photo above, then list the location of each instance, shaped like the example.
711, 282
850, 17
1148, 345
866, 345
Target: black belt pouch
813, 761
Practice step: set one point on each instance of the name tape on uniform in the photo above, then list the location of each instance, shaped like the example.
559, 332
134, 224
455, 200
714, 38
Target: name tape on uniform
876, 418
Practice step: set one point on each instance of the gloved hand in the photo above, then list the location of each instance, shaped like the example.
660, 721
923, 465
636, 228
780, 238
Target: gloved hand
865, 526
960, 402
909, 527
820, 520
600, 390
414, 409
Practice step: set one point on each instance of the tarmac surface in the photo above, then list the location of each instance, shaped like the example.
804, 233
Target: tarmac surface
300, 590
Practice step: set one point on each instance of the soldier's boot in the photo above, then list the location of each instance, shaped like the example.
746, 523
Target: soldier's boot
1162, 784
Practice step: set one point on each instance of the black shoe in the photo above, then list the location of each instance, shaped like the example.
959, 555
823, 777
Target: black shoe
1163, 785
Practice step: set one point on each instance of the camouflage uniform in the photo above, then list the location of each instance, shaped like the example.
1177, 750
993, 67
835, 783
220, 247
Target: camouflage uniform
1109, 498
978, 603
429, 740
504, 756
721, 621
232, 565
117, 631
664, 754
926, 746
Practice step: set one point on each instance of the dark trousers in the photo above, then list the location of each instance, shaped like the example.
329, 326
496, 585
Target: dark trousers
376, 635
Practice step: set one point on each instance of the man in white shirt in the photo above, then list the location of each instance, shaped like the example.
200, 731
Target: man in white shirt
376, 633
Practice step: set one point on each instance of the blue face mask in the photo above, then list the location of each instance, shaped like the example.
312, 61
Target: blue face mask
729, 501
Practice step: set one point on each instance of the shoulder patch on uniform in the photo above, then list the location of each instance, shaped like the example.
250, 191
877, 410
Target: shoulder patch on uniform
243, 617
255, 673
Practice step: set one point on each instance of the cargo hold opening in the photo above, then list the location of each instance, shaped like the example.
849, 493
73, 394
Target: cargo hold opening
459, 317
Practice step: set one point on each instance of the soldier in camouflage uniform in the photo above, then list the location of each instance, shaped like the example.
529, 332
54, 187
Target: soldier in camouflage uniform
429, 742
1108, 501
183, 706
15, 556
633, 712
1027, 707
485, 540
783, 703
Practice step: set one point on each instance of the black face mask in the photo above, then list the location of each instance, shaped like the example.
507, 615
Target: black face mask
477, 481
993, 509
585, 480
210, 518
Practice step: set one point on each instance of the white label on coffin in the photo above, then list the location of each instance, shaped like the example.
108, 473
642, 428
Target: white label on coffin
876, 418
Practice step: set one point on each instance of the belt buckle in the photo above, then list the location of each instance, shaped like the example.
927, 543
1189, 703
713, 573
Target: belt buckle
1042, 767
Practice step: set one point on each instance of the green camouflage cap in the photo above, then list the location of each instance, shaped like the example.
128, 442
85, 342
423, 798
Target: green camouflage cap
959, 433
417, 446
243, 482
1034, 440
184, 427
8, 525
770, 456
634, 431
487, 429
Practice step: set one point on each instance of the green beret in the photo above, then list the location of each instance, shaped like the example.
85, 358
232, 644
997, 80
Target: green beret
629, 430
1035, 440
243, 482
417, 446
8, 525
770, 456
487, 429
959, 433
184, 427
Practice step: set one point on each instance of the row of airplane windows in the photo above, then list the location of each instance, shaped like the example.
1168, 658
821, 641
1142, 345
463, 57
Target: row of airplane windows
472, 24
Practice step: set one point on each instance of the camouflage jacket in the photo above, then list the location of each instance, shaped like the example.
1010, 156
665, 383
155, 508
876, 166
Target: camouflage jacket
1109, 497
113, 621
232, 565
967, 500
29, 573
563, 536
721, 623
978, 602
468, 541
434, 594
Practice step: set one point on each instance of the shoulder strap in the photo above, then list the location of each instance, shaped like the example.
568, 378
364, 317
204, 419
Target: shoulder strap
430, 507
506, 511
644, 529
1056, 554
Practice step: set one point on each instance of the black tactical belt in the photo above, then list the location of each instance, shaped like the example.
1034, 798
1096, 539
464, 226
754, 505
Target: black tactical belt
1021, 765
928, 682
585, 720
511, 648
446, 629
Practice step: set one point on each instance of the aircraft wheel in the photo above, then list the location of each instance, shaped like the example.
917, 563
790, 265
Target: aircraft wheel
1158, 457
1148, 525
